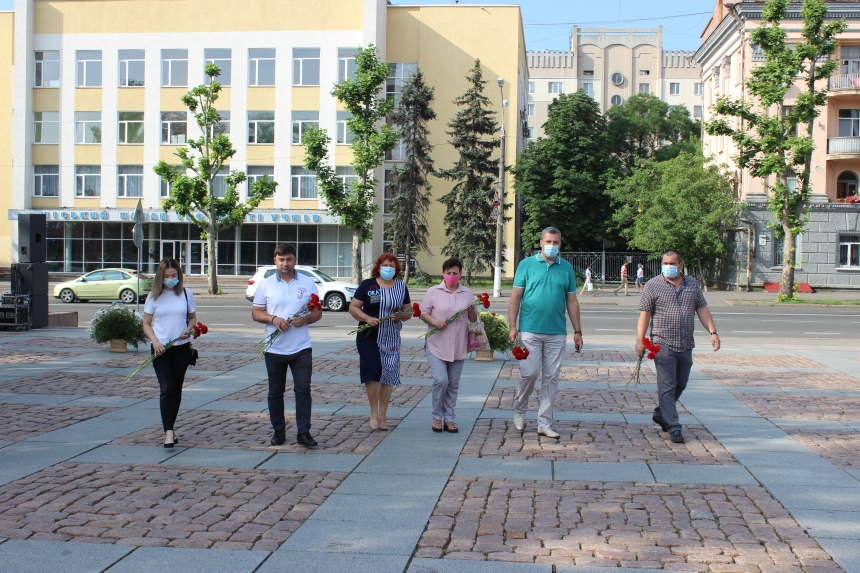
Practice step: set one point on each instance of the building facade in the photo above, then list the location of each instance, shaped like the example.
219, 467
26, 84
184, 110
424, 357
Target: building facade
96, 89
828, 252
610, 65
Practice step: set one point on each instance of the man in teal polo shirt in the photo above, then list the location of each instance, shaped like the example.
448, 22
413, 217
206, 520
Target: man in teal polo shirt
544, 286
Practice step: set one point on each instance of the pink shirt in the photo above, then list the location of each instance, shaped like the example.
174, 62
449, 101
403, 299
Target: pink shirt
440, 303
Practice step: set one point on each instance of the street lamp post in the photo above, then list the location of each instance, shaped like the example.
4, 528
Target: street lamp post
497, 275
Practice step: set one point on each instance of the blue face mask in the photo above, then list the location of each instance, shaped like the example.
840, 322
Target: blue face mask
550, 251
670, 271
170, 283
387, 273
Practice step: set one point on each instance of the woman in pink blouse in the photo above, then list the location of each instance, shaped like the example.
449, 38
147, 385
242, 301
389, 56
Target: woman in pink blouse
446, 349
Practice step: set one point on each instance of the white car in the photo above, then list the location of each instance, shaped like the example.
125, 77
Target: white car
335, 295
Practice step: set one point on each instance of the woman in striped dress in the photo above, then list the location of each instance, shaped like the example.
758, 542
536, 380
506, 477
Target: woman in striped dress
379, 347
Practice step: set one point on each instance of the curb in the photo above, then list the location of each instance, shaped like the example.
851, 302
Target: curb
786, 305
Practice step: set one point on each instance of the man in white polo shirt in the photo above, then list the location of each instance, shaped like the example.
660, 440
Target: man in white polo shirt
277, 299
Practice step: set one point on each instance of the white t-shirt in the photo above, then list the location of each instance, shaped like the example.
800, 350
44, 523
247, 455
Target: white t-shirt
281, 298
640, 272
170, 314
587, 275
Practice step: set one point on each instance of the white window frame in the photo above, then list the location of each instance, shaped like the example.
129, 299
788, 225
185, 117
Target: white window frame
222, 127
219, 182
254, 129
698, 88
531, 133
388, 194
217, 56
347, 175
300, 176
644, 88
85, 174
531, 87
853, 123
699, 109
172, 62
46, 123
86, 122
86, 62
674, 88
344, 135
129, 177
302, 122
255, 172
46, 178
169, 121
531, 109
123, 131
303, 67
556, 88
588, 88
256, 57
47, 63
346, 66
398, 74
167, 188
851, 245
126, 59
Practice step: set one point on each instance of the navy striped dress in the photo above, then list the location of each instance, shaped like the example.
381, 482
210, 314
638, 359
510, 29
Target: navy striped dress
379, 347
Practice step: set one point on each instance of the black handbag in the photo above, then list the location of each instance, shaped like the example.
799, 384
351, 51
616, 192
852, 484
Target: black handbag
192, 360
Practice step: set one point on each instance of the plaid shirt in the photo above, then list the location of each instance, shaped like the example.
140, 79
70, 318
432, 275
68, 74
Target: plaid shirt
673, 311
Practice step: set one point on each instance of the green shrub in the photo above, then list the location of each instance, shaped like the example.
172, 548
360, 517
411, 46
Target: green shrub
117, 323
497, 330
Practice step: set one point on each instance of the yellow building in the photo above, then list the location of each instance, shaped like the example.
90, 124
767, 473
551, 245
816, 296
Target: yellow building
96, 88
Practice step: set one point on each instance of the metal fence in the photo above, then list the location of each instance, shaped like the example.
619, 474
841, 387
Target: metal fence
606, 267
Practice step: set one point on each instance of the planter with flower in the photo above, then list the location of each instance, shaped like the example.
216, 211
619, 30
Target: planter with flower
498, 335
118, 325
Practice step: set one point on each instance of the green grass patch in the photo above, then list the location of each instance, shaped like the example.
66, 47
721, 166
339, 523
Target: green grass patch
828, 301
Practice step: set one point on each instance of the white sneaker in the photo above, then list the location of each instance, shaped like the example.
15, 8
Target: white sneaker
548, 432
520, 421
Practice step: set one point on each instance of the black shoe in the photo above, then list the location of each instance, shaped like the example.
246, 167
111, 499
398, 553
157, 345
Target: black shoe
305, 439
660, 422
170, 444
677, 437
278, 438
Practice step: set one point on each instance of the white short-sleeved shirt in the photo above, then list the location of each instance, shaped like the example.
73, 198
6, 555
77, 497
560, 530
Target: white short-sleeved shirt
587, 274
281, 298
640, 273
170, 314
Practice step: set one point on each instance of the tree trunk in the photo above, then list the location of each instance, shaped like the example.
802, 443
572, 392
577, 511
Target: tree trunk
212, 258
786, 283
407, 267
469, 276
702, 279
356, 256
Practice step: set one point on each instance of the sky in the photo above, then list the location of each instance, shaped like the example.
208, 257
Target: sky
547, 23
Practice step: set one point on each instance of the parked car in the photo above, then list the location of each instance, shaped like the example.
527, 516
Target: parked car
105, 284
336, 295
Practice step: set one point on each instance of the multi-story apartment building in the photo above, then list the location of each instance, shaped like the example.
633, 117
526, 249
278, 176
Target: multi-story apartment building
611, 65
828, 252
90, 100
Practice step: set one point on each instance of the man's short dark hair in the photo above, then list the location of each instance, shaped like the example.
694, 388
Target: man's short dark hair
284, 249
451, 263
676, 253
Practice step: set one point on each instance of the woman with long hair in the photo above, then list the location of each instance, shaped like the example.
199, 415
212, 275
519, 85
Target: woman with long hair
379, 347
168, 313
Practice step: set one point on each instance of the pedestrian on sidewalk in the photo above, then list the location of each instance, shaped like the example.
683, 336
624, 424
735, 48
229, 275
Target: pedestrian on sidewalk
544, 287
640, 278
623, 284
168, 314
379, 347
278, 298
446, 350
589, 285
669, 303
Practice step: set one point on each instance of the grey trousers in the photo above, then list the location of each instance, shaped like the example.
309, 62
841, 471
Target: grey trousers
546, 351
446, 383
673, 372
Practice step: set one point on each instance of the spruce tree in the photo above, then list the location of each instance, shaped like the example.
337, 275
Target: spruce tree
468, 225
410, 182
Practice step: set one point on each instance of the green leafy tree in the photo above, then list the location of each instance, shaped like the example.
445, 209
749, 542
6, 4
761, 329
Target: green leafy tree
684, 204
468, 224
772, 140
645, 125
363, 98
203, 158
410, 182
561, 177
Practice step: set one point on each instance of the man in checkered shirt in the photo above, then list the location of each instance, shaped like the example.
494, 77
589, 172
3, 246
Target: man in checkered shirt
669, 304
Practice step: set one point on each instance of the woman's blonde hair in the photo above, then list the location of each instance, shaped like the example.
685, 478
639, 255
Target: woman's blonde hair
158, 283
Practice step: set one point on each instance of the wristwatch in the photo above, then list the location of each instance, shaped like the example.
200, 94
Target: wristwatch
713, 333
577, 332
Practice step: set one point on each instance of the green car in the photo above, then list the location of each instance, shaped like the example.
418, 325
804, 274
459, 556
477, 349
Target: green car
105, 284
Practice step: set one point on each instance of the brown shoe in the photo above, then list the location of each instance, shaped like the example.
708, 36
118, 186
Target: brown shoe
437, 426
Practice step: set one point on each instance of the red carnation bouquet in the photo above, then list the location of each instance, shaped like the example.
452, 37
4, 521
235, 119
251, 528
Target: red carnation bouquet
310, 306
520, 351
652, 349
481, 299
416, 312
195, 332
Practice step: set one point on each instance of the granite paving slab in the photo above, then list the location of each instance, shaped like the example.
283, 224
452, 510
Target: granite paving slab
403, 485
316, 562
702, 474
420, 565
352, 537
27, 556
835, 524
185, 560
407, 511
818, 476
210, 457
846, 552
603, 471
820, 498
108, 454
24, 458
316, 462
504, 468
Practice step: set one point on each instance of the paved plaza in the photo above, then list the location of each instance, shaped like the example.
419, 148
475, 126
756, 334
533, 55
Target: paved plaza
768, 480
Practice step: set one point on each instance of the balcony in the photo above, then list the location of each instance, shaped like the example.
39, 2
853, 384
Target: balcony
844, 84
843, 148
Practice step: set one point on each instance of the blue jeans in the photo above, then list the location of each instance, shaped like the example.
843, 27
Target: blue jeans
673, 372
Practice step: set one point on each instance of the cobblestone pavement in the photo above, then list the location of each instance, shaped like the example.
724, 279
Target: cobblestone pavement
601, 355
79, 383
151, 505
794, 380
405, 395
252, 431
206, 361
583, 400
23, 421
32, 356
836, 408
680, 527
406, 351
595, 442
760, 360
840, 448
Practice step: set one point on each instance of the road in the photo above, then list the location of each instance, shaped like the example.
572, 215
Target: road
762, 324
